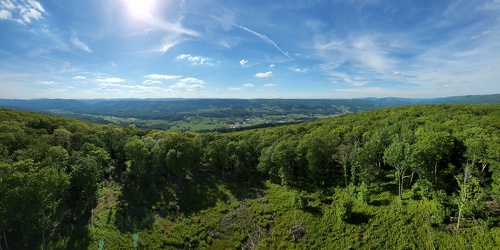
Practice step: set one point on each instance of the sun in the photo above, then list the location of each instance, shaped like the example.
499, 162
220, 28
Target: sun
140, 8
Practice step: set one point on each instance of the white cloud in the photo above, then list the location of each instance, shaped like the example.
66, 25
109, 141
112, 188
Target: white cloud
247, 85
151, 82
189, 84
233, 89
7, 4
23, 12
47, 83
111, 80
28, 14
164, 77
4, 14
243, 62
79, 44
264, 75
300, 70
269, 85
36, 5
272, 65
109, 86
79, 77
196, 60
183, 56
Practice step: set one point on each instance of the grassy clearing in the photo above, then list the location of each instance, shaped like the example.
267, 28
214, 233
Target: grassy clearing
269, 216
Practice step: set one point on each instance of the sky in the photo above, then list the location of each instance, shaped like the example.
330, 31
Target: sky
76, 49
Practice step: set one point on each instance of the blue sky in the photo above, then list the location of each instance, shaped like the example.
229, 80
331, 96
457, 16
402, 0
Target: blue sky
248, 49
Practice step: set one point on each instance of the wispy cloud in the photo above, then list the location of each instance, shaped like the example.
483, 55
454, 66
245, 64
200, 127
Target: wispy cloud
355, 81
269, 85
233, 89
196, 60
168, 43
368, 52
175, 31
111, 80
265, 74
47, 83
171, 27
79, 77
247, 85
265, 38
164, 77
79, 44
243, 62
483, 33
166, 46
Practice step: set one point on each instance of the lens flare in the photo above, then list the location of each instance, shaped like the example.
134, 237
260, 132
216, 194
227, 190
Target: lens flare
140, 8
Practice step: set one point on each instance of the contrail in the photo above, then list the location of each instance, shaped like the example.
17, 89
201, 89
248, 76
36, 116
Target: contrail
263, 37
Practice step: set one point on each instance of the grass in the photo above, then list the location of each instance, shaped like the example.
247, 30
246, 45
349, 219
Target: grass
221, 215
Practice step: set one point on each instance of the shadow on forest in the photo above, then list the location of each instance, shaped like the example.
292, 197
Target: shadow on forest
189, 196
389, 185
199, 195
358, 218
251, 188
132, 218
79, 238
314, 210
380, 202
78, 234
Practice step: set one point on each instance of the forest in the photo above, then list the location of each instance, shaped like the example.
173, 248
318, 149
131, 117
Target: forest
413, 177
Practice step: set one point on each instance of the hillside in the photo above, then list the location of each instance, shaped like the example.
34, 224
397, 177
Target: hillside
221, 115
415, 177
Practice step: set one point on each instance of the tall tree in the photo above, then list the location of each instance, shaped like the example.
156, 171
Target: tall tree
46, 191
494, 162
283, 157
85, 177
399, 156
471, 195
432, 147
62, 137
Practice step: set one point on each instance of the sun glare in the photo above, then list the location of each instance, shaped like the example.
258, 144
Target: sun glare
140, 8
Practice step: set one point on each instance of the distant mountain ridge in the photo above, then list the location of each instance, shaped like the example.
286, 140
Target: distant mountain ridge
71, 104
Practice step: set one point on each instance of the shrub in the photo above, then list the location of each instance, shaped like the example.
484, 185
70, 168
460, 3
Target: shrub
300, 199
344, 210
364, 194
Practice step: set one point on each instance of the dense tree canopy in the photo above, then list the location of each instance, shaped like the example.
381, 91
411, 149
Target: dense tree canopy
51, 168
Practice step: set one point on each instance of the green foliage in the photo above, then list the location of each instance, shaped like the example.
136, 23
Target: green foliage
364, 193
343, 209
421, 189
70, 185
300, 199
